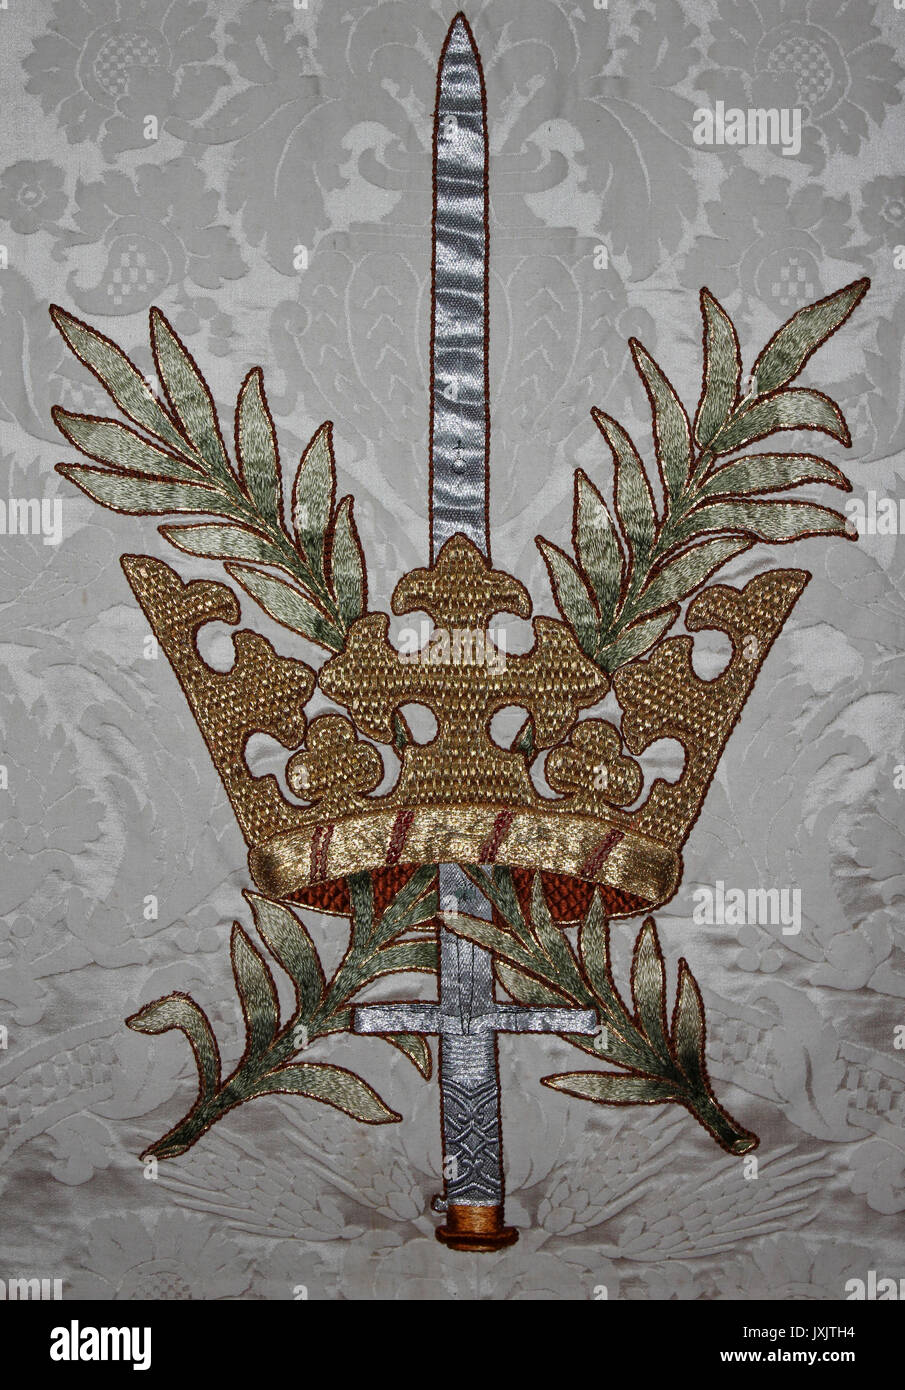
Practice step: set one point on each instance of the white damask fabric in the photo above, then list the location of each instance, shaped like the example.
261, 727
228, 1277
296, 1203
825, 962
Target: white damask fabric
261, 170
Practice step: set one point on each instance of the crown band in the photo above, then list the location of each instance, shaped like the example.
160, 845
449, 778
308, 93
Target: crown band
588, 848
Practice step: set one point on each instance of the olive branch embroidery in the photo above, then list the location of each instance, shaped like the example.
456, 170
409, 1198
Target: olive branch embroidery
534, 962
380, 944
180, 464
661, 1061
622, 591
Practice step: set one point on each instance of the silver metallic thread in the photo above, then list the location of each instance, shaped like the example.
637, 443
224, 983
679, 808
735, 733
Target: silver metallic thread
459, 416
467, 1017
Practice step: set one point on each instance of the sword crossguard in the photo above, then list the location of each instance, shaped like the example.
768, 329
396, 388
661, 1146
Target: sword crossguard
466, 1018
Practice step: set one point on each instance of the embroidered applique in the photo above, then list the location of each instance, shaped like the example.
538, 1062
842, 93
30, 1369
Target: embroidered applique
463, 869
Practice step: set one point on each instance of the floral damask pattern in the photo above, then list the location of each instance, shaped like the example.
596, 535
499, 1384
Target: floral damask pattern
276, 207
158, 228
103, 65
829, 60
32, 198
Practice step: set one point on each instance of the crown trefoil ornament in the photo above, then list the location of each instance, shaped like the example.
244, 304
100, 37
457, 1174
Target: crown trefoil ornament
463, 868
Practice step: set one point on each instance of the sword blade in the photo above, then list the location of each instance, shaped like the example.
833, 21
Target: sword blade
460, 438
460, 416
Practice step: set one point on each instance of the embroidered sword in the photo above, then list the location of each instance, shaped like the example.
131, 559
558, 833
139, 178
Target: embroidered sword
467, 1016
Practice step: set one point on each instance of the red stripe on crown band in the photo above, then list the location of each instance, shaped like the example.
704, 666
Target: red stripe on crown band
401, 827
599, 854
491, 847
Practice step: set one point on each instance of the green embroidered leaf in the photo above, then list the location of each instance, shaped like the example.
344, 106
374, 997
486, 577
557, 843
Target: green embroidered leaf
538, 967
347, 566
688, 571
648, 982
256, 992
635, 640
414, 1047
634, 499
485, 934
499, 888
526, 989
769, 521
414, 904
187, 393
792, 409
789, 349
131, 492
618, 1040
287, 605
361, 895
554, 944
609, 1089
286, 938
224, 542
672, 433
722, 370
407, 955
597, 546
312, 496
772, 473
594, 952
573, 597
110, 442
524, 740
688, 1028
178, 1011
119, 377
333, 1085
256, 447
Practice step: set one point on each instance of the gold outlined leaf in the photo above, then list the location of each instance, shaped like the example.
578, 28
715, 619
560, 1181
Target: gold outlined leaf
672, 432
139, 495
772, 473
609, 1088
108, 441
289, 942
256, 992
722, 369
789, 348
189, 396
573, 596
257, 451
333, 1085
119, 377
180, 1012
312, 496
633, 496
347, 565
796, 408
597, 546
778, 522
287, 605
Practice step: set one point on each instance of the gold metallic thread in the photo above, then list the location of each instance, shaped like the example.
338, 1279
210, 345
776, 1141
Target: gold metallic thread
461, 792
